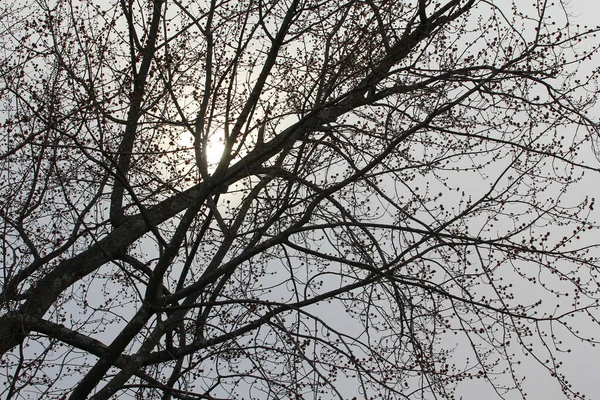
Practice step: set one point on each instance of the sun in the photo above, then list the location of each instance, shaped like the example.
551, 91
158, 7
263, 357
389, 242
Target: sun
214, 151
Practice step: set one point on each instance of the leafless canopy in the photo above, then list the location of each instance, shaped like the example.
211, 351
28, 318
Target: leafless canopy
275, 199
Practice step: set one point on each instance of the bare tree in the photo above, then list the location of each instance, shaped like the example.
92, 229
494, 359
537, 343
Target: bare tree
293, 199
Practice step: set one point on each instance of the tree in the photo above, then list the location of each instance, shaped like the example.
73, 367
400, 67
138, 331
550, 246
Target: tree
294, 199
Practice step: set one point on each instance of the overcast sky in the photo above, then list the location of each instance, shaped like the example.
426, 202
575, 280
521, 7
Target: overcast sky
582, 364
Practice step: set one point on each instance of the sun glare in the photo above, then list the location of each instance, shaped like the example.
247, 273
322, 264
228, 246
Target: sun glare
214, 151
